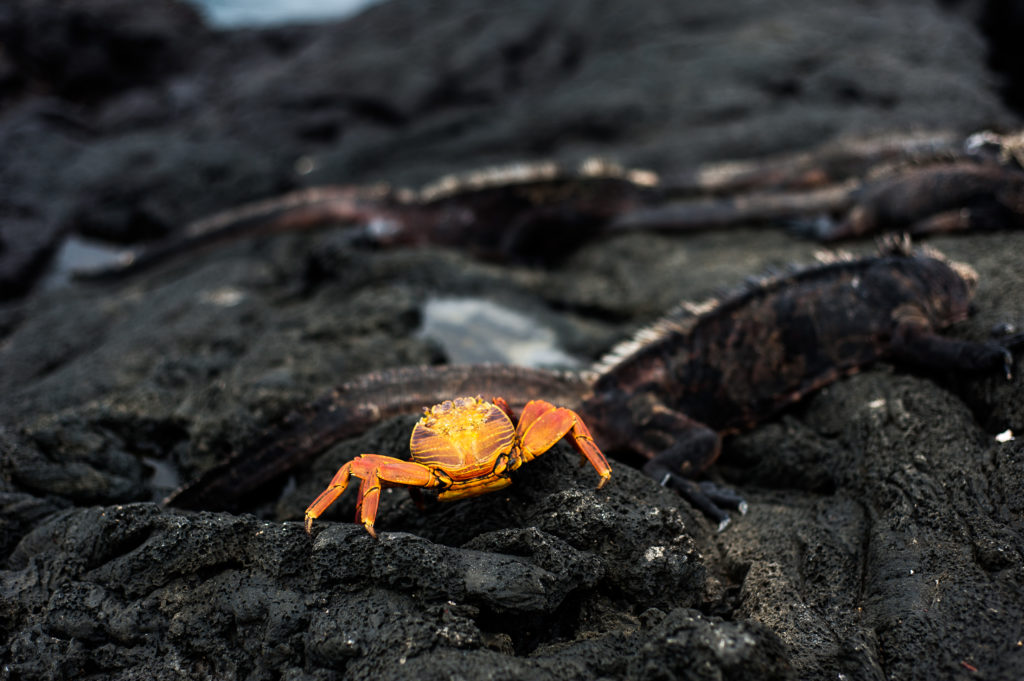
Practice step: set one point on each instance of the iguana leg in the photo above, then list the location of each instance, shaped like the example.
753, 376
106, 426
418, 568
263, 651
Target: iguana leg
691, 448
924, 348
705, 496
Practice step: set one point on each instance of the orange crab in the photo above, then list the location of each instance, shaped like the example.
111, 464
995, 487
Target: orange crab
462, 447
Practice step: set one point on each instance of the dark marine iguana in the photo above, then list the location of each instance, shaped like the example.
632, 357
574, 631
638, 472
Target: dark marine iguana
496, 212
539, 212
678, 386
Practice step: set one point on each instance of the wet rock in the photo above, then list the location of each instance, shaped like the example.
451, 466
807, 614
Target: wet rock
491, 580
884, 535
174, 177
237, 596
85, 51
684, 642
550, 577
866, 571
30, 225
178, 122
20, 513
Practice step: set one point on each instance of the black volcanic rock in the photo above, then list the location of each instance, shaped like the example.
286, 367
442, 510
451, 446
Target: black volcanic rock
87, 51
884, 536
171, 121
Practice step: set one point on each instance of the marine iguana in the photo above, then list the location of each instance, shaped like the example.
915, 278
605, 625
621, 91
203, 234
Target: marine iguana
538, 212
671, 393
497, 212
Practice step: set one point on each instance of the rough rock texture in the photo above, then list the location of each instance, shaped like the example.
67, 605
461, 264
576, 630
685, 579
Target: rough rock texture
123, 124
885, 537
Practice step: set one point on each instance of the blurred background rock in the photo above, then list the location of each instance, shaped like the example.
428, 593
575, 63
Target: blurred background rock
121, 121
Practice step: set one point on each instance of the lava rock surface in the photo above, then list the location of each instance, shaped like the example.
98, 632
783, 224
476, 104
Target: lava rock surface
885, 537
123, 124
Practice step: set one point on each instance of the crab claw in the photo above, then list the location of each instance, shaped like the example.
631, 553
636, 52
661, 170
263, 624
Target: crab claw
542, 424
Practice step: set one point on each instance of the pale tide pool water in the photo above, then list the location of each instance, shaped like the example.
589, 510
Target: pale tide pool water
243, 13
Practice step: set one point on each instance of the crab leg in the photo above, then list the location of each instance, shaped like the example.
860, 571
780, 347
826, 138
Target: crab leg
542, 424
375, 471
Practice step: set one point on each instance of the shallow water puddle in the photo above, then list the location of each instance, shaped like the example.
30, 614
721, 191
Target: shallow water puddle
78, 254
477, 330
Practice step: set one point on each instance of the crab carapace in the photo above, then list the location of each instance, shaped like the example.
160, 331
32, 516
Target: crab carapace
462, 448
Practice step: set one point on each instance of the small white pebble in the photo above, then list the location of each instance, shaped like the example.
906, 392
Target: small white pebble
1005, 436
304, 165
654, 553
226, 296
